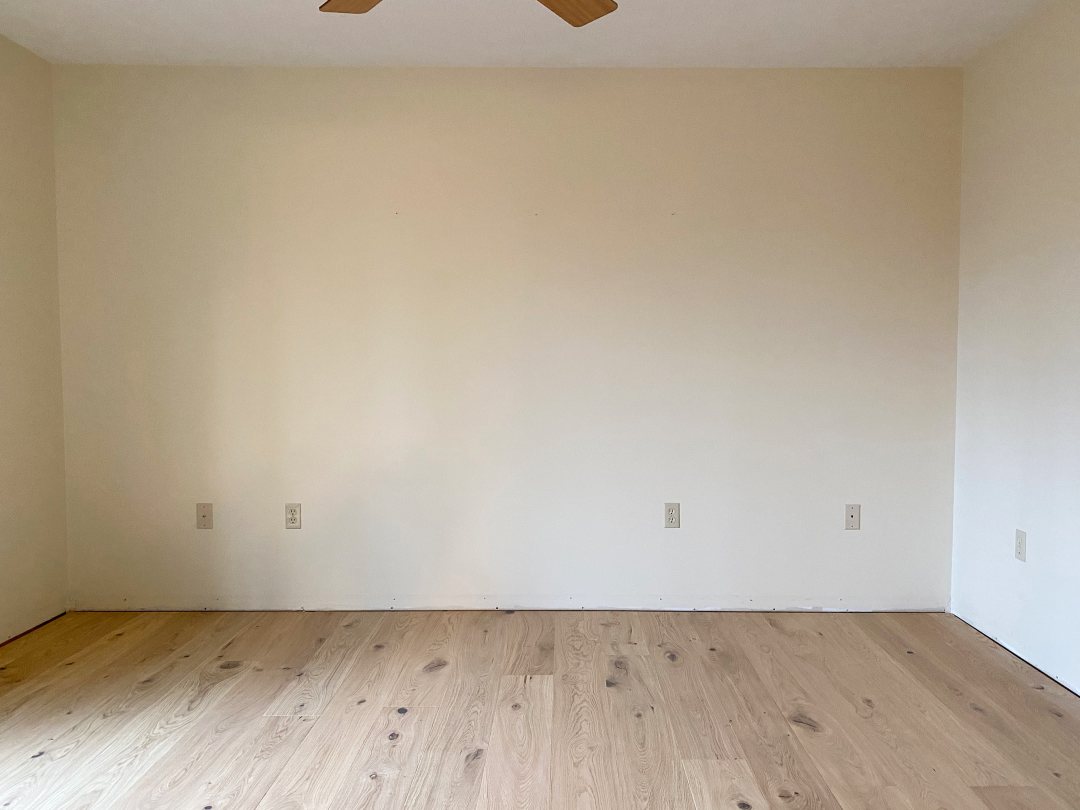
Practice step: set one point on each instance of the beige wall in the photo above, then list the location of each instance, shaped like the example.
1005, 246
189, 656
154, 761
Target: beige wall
33, 580
483, 324
1018, 439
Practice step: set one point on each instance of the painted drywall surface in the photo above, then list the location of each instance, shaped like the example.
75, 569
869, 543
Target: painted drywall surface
1018, 426
33, 575
484, 324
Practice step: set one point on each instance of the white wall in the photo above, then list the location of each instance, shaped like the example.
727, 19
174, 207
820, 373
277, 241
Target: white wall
1018, 428
33, 579
483, 324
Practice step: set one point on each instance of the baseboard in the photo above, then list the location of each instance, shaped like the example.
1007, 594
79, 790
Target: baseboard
518, 602
504, 600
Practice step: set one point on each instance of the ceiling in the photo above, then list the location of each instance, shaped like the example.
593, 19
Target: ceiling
642, 33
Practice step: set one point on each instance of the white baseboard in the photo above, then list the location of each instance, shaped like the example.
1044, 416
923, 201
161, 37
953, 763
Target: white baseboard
518, 602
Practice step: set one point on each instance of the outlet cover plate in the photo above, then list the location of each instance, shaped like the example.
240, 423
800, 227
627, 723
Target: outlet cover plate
853, 517
292, 516
672, 516
204, 516
1021, 545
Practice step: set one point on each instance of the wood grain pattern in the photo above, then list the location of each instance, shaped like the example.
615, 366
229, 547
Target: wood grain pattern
349, 6
688, 711
518, 769
581, 12
722, 784
1012, 798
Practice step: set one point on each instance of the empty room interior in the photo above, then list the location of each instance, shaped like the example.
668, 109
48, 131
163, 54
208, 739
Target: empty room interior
490, 404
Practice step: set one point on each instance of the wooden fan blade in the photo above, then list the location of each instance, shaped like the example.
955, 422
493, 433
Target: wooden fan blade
581, 12
349, 6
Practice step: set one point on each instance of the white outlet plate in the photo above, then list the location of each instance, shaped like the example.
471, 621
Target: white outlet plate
1021, 545
853, 517
672, 516
204, 516
292, 516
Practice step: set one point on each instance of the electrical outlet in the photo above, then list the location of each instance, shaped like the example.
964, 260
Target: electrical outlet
204, 516
1021, 546
853, 519
672, 516
292, 516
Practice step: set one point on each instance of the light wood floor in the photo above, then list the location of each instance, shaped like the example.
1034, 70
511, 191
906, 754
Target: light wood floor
529, 710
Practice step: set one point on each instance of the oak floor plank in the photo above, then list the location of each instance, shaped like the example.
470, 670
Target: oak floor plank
268, 647
528, 640
31, 655
942, 755
841, 724
118, 743
323, 764
642, 773
1012, 798
56, 726
310, 692
577, 768
822, 720
622, 632
477, 710
927, 722
726, 784
64, 681
984, 655
617, 742
461, 731
779, 761
232, 757
386, 751
517, 773
322, 770
430, 672
1035, 739
701, 732
1024, 693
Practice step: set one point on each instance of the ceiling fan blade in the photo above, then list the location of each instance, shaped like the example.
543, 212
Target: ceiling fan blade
581, 12
349, 6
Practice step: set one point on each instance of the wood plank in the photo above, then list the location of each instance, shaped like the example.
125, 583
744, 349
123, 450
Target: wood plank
461, 731
821, 719
467, 710
841, 726
640, 769
518, 771
26, 657
938, 750
577, 768
778, 759
717, 784
316, 774
86, 665
679, 668
309, 693
1034, 739
138, 703
1012, 798
233, 756
271, 647
528, 642
581, 12
386, 752
82, 701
